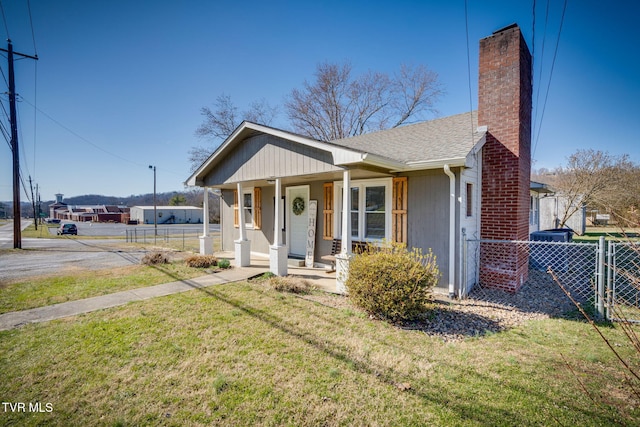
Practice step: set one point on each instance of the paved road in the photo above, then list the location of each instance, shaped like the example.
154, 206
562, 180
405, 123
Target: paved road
48, 256
115, 229
43, 256
6, 233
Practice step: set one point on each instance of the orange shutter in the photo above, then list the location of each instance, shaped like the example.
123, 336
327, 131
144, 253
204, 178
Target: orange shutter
399, 210
327, 211
257, 209
236, 215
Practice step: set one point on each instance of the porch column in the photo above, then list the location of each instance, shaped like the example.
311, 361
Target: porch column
343, 258
242, 245
206, 241
278, 251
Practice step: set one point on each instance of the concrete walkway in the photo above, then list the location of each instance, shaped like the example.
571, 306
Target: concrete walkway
16, 319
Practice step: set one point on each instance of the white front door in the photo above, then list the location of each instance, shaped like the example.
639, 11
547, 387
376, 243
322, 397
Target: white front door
297, 214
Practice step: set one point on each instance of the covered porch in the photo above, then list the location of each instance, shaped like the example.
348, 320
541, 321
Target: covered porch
285, 196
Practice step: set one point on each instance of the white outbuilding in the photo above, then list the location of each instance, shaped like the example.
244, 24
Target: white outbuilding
167, 214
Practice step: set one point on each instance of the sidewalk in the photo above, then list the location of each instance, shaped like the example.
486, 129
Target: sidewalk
16, 319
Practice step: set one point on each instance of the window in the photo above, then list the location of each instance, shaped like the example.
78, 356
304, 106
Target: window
355, 212
534, 210
370, 209
247, 201
375, 213
469, 199
252, 203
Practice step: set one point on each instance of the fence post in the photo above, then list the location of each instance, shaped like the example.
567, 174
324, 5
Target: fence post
610, 278
600, 278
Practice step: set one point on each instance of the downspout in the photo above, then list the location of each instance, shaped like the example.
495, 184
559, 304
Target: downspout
452, 230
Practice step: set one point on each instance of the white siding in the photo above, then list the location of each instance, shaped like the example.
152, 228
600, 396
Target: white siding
470, 224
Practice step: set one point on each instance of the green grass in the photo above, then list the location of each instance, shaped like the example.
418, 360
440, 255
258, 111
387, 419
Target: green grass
41, 291
244, 354
593, 234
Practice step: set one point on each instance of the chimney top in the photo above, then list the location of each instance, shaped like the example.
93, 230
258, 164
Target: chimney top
508, 27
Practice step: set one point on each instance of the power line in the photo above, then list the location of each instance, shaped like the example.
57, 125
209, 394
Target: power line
553, 63
82, 138
22, 149
35, 116
544, 38
33, 35
91, 143
4, 19
466, 25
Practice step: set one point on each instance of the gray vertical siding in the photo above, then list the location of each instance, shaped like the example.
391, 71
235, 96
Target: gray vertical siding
264, 156
428, 218
261, 239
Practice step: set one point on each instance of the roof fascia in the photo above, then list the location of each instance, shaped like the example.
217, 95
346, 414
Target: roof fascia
341, 155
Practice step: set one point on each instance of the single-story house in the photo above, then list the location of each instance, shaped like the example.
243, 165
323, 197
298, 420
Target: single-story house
554, 206
538, 191
166, 214
548, 207
430, 184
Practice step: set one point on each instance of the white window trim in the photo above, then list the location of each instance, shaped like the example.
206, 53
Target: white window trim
362, 184
466, 199
249, 225
534, 210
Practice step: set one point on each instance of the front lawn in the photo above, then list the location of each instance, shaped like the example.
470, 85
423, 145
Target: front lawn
243, 354
32, 292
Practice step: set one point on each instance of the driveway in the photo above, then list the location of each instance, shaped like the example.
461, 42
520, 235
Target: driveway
43, 256
53, 256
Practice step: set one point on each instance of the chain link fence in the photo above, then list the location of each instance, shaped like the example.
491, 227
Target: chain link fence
623, 281
182, 238
605, 275
575, 265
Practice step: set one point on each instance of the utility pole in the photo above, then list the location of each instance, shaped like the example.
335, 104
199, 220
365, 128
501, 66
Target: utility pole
17, 232
39, 202
33, 203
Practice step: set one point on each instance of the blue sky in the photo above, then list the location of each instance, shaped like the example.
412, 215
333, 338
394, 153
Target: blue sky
120, 84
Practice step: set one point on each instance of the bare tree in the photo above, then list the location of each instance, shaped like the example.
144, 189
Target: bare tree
337, 105
592, 178
222, 120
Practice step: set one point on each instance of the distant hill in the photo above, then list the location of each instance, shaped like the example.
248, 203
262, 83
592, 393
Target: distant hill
192, 197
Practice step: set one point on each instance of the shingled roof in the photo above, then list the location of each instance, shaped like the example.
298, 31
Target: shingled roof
441, 139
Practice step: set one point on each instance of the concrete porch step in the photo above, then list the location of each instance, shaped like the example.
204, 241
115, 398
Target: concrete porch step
295, 262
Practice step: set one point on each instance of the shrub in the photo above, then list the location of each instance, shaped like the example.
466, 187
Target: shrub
391, 282
201, 261
155, 258
290, 284
224, 263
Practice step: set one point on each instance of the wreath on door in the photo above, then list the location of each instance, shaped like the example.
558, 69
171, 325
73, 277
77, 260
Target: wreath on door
298, 205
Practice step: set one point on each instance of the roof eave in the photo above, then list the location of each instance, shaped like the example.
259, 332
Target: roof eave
433, 164
341, 155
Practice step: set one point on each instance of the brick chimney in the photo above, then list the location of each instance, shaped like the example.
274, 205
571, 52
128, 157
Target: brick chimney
504, 106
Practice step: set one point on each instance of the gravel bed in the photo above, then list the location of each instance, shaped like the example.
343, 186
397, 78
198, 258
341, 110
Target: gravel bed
485, 311
492, 310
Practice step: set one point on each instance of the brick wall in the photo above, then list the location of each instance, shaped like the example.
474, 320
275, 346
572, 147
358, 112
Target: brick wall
504, 106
